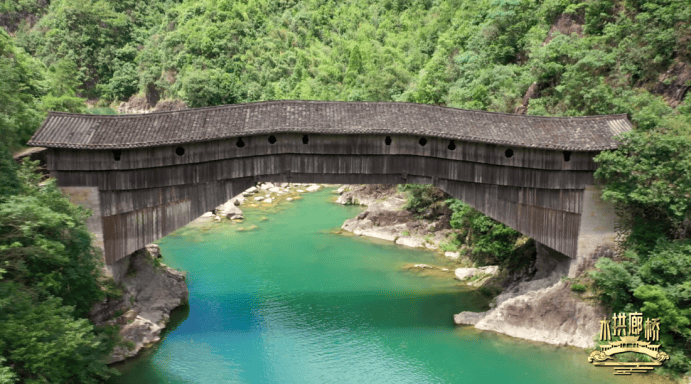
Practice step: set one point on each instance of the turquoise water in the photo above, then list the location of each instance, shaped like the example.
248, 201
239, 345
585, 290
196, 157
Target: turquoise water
289, 301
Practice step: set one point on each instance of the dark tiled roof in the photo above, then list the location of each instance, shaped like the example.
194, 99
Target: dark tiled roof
67, 130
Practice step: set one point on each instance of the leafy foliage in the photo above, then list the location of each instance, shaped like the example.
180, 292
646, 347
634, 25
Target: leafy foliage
45, 242
423, 199
491, 241
649, 178
45, 342
50, 280
20, 90
9, 182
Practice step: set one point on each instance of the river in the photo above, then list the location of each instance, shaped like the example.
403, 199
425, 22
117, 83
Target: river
282, 298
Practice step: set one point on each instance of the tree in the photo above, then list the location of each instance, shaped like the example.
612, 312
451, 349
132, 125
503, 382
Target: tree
649, 178
203, 88
9, 182
45, 342
44, 242
48, 282
21, 86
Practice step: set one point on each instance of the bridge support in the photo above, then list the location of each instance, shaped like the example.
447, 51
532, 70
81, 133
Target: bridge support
89, 198
597, 228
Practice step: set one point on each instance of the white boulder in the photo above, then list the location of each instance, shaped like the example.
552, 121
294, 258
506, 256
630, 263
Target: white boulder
228, 209
463, 273
237, 200
490, 269
407, 241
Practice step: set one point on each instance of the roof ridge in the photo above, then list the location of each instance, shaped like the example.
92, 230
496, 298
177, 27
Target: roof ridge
72, 130
269, 102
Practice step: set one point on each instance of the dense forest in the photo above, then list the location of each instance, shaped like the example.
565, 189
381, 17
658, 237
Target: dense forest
552, 58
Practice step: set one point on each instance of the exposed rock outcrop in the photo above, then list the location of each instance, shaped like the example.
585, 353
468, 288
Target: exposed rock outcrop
261, 194
370, 194
469, 318
551, 315
151, 291
674, 83
464, 273
531, 93
565, 24
11, 21
229, 209
541, 307
141, 104
386, 219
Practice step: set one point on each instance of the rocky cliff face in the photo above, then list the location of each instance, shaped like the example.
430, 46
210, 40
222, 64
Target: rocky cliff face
542, 307
152, 291
551, 315
386, 219
140, 104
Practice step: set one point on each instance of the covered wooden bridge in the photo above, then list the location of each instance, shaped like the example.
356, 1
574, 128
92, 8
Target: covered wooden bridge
146, 175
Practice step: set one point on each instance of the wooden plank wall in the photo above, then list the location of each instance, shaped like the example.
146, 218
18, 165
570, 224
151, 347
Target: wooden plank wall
150, 192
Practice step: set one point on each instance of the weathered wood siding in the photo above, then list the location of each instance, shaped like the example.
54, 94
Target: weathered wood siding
150, 192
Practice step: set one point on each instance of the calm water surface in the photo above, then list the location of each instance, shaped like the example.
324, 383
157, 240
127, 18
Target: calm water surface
288, 301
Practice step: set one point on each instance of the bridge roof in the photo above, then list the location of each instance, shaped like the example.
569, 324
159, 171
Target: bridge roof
69, 130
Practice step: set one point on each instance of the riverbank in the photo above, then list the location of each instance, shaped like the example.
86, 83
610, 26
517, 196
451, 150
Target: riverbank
534, 303
151, 290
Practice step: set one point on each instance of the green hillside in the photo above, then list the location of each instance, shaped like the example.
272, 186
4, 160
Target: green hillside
552, 58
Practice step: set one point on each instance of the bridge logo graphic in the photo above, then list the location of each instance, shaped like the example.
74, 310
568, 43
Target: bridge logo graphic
629, 343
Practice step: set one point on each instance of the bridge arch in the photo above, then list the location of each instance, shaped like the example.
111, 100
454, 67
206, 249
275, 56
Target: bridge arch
147, 175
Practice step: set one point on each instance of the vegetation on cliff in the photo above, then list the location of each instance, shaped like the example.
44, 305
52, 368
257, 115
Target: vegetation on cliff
488, 241
555, 57
49, 280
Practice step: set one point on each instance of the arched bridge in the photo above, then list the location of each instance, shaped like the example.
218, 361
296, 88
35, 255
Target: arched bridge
147, 175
